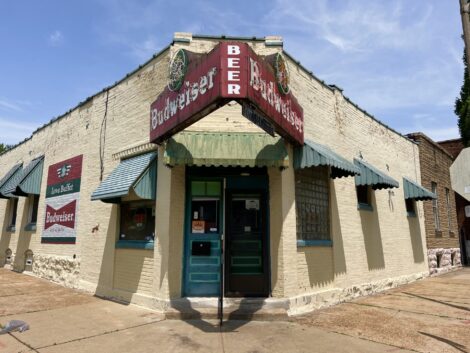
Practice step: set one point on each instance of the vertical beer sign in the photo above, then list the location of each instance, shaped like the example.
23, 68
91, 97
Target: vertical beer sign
62, 198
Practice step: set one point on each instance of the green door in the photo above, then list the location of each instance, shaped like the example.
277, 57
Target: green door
204, 226
246, 266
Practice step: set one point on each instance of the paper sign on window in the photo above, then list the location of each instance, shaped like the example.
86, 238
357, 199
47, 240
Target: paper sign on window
252, 204
198, 227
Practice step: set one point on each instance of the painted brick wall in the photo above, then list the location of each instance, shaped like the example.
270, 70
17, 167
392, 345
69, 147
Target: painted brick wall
329, 119
134, 271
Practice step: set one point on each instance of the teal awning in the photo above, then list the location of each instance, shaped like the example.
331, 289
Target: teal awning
226, 149
417, 192
137, 173
3, 182
27, 181
373, 177
313, 154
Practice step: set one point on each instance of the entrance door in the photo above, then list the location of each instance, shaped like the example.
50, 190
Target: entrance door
204, 226
246, 265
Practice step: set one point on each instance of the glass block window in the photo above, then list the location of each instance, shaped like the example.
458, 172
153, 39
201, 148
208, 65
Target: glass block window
312, 200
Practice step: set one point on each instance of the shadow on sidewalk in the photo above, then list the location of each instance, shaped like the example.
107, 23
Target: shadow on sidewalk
437, 301
456, 345
235, 319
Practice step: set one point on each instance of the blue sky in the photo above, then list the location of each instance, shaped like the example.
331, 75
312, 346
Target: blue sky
400, 60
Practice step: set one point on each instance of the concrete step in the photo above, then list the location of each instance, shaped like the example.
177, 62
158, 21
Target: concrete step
257, 309
229, 314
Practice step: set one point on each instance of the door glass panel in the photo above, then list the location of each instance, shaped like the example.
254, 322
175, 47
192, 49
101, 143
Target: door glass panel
204, 215
246, 236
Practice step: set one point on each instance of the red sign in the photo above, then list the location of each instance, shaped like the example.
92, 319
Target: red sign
64, 171
232, 70
64, 216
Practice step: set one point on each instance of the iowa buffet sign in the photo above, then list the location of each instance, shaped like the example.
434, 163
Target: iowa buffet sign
62, 197
199, 84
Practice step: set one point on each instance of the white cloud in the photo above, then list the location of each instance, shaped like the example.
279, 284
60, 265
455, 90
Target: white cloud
7, 105
56, 38
145, 49
12, 132
441, 134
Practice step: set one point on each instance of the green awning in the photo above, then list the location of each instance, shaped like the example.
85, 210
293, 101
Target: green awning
11, 174
138, 173
373, 177
417, 192
26, 182
226, 149
313, 154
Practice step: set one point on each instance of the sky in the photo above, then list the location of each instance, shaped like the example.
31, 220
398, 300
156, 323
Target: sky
400, 60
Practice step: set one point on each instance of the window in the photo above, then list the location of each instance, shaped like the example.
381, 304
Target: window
363, 193
137, 221
410, 207
448, 209
312, 200
34, 205
13, 212
33, 201
205, 203
435, 210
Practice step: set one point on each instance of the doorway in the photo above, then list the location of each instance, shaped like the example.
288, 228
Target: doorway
246, 270
232, 204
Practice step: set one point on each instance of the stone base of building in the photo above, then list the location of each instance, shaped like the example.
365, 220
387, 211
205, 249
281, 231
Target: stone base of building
309, 302
256, 308
62, 270
442, 260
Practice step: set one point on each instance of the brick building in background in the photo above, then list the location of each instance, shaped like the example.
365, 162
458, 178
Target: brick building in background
440, 215
454, 146
460, 176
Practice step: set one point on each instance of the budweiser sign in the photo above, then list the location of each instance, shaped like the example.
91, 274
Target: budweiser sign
62, 197
199, 84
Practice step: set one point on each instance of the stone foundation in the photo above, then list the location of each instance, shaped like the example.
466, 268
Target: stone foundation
309, 302
442, 260
260, 308
62, 270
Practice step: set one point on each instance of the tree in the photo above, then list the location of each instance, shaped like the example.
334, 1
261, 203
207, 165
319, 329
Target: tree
3, 147
462, 106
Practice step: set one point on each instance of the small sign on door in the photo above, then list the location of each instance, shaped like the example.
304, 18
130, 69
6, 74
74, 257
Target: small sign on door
252, 204
198, 227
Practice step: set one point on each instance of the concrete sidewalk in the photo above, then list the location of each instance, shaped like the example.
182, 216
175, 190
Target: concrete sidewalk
422, 317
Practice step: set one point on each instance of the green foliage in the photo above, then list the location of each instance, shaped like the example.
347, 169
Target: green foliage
462, 106
3, 147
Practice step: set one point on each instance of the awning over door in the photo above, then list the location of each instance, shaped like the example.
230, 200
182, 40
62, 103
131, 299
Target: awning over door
373, 177
415, 191
138, 173
27, 181
226, 149
4, 181
313, 154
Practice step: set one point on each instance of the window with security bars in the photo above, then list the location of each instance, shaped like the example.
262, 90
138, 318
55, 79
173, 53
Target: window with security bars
312, 203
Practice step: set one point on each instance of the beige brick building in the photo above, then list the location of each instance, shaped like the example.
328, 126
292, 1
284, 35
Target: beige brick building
440, 215
303, 226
